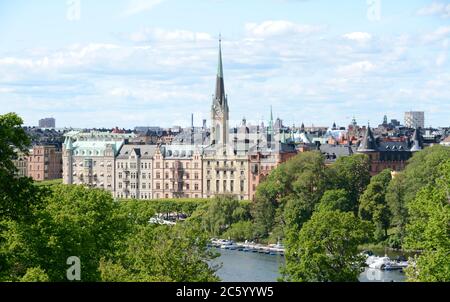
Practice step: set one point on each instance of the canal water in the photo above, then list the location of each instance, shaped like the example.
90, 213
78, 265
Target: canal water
239, 266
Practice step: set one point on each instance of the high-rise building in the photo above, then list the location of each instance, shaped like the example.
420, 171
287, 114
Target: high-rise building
47, 123
415, 119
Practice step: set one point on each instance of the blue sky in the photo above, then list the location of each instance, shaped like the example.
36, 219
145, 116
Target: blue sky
130, 63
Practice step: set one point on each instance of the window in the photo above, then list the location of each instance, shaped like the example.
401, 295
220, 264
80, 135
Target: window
232, 185
158, 186
144, 186
224, 186
242, 186
120, 175
217, 185
196, 187
208, 185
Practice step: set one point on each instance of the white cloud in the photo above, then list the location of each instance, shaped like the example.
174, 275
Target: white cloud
356, 69
6, 90
439, 34
358, 36
435, 9
139, 6
159, 34
75, 55
279, 28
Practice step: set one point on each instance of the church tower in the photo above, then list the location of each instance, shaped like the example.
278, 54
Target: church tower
219, 110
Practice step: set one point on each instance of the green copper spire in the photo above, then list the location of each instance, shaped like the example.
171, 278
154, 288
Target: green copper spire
220, 66
220, 86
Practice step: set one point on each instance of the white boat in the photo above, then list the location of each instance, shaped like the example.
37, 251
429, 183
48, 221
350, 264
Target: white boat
380, 263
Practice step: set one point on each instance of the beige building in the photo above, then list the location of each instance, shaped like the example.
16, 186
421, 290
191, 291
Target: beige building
225, 173
134, 172
89, 158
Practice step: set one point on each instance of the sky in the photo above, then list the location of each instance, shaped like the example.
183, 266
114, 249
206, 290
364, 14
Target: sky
128, 63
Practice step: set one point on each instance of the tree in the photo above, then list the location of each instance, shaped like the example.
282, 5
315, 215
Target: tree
421, 171
35, 274
395, 198
352, 174
18, 196
74, 222
241, 231
263, 213
373, 206
428, 230
326, 249
220, 213
336, 200
162, 254
290, 193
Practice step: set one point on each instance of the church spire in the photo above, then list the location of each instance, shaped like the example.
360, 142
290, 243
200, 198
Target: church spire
220, 86
368, 144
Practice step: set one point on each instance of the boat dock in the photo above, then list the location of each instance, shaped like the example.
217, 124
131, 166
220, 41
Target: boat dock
274, 249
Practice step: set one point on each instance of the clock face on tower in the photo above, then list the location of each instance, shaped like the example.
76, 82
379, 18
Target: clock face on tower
217, 111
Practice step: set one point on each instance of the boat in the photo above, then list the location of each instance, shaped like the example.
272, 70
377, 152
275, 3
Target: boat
385, 263
228, 245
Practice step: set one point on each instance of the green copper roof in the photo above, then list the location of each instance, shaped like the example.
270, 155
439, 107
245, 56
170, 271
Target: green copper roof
220, 66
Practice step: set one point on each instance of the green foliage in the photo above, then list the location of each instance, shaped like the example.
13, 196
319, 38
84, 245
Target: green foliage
423, 170
428, 229
326, 248
263, 213
74, 222
240, 231
290, 193
373, 206
430, 266
113, 240
395, 198
336, 200
180, 205
18, 196
49, 183
220, 213
162, 254
13, 138
35, 274
351, 174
